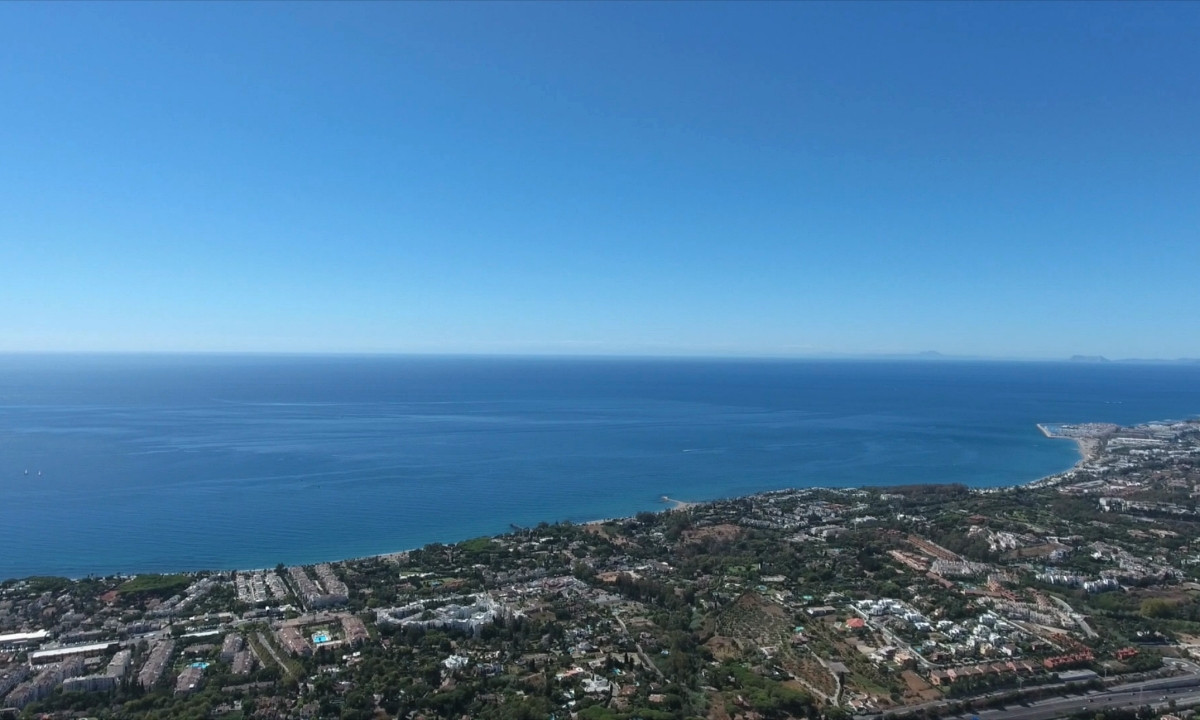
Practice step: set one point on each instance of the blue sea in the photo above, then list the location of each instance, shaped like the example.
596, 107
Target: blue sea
156, 463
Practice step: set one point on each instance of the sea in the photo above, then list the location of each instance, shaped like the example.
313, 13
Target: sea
155, 463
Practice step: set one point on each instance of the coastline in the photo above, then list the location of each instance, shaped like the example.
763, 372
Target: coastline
1090, 441
1089, 449
678, 504
389, 459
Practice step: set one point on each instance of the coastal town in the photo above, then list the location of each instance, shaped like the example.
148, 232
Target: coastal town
1077, 595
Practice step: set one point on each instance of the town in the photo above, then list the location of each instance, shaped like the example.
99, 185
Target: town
1076, 595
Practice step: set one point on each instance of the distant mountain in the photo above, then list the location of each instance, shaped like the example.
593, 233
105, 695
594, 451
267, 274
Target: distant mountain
1089, 359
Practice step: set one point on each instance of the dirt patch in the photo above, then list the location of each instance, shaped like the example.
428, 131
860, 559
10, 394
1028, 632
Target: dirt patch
603, 531
916, 684
723, 648
717, 533
754, 601
1035, 551
796, 685
1168, 594
716, 707
756, 620
810, 675
916, 688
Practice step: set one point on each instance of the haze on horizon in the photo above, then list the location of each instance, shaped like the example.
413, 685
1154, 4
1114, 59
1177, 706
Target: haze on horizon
986, 179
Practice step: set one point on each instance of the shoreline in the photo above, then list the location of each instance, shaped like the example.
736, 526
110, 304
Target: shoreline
1088, 438
677, 504
1089, 448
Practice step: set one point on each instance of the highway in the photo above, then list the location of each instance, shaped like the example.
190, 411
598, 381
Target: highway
1184, 689
1091, 703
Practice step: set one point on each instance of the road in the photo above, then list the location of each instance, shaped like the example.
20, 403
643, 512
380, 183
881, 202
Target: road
1066, 607
1184, 690
640, 653
266, 645
893, 639
1097, 702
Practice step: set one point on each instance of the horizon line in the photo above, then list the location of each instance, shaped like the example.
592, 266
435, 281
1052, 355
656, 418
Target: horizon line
922, 356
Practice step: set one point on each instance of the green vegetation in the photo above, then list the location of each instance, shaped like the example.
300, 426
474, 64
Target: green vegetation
158, 585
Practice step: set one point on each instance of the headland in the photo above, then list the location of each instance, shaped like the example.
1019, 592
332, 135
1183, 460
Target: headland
1089, 437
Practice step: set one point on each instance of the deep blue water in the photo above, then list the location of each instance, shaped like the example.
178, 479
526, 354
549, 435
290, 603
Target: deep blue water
189, 462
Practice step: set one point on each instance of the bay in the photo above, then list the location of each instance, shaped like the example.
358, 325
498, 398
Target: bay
126, 463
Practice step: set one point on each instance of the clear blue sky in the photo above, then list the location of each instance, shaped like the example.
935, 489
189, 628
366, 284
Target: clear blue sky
1002, 179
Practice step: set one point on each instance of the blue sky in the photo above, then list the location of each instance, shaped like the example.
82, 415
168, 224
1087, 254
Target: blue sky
1000, 179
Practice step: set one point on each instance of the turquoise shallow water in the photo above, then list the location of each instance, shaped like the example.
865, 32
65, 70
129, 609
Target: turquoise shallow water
189, 462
